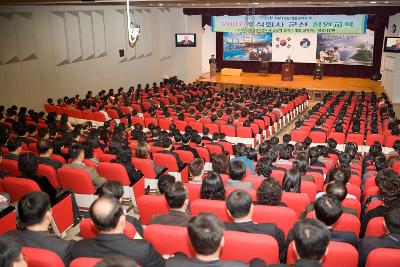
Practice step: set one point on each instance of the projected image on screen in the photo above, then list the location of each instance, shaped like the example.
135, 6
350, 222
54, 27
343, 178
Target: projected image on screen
245, 47
392, 44
185, 39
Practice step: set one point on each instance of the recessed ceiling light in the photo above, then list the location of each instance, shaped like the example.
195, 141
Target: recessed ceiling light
346, 2
150, 4
193, 4
207, 4
179, 4
386, 2
272, 3
372, 2
160, 4
237, 3
308, 2
256, 3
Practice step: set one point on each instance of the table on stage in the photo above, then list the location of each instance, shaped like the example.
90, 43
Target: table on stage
231, 72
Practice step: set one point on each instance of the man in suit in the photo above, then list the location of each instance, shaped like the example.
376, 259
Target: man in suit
311, 239
14, 147
186, 145
186, 40
206, 233
46, 150
240, 207
288, 60
196, 171
167, 145
109, 218
212, 59
390, 240
317, 127
319, 70
178, 201
77, 154
35, 214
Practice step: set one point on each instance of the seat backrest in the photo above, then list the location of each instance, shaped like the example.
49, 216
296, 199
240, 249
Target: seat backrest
296, 201
284, 218
309, 188
164, 124
214, 206
339, 254
104, 157
88, 230
50, 173
58, 158
298, 135
150, 205
388, 257
338, 137
145, 166
318, 137
77, 180
213, 128
37, 257
352, 203
88, 115
11, 167
8, 220
98, 116
203, 153
180, 125
19, 187
372, 138
376, 227
357, 138
193, 191
185, 156
228, 130
348, 223
113, 172
166, 160
62, 213
278, 175
214, 149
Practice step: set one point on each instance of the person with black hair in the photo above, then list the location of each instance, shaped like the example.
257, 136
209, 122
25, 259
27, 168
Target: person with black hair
45, 150
220, 163
14, 147
212, 187
178, 201
206, 234
3, 173
34, 212
241, 153
167, 149
11, 252
196, 171
124, 158
164, 182
313, 155
77, 154
332, 147
108, 217
311, 239
116, 261
292, 181
237, 171
186, 145
391, 239
240, 207
318, 125
58, 145
22, 132
269, 193
116, 190
285, 154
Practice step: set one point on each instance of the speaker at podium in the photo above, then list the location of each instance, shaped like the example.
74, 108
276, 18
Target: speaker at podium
287, 72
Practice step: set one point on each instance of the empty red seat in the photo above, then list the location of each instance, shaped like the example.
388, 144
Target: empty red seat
150, 205
318, 137
296, 201
338, 137
98, 116
298, 135
50, 173
372, 138
357, 138
185, 156
19, 187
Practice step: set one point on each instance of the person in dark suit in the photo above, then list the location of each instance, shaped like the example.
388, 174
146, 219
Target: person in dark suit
186, 40
11, 252
186, 145
34, 213
108, 217
319, 70
289, 60
124, 157
240, 207
14, 147
178, 201
212, 59
46, 150
311, 239
206, 232
317, 127
389, 240
167, 145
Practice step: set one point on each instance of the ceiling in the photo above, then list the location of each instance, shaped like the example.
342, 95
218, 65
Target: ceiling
213, 3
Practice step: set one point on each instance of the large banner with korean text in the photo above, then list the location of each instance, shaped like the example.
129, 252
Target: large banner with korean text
291, 23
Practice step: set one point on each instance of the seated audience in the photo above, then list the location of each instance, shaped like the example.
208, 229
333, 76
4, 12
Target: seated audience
196, 171
390, 240
264, 167
167, 149
237, 171
285, 154
45, 149
34, 211
3, 173
212, 187
142, 152
269, 193
240, 208
109, 218
186, 145
11, 253
206, 234
77, 154
220, 163
124, 157
116, 261
163, 182
178, 201
292, 181
14, 147
241, 153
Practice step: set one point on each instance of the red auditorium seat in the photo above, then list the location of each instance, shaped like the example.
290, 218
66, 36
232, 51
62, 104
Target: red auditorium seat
374, 204
88, 115
62, 213
11, 167
19, 187
372, 138
58, 158
318, 137
389, 140
387, 257
228, 130
376, 227
298, 135
310, 189
213, 128
346, 223
193, 191
278, 175
88, 230
339, 254
112, 113
169, 161
164, 124
37, 257
170, 239
50, 173
148, 121
185, 156
338, 137
203, 153
137, 120
107, 157
214, 149
282, 217
150, 205
296, 201
145, 166
80, 183
352, 203
98, 116
8, 220
357, 138
180, 125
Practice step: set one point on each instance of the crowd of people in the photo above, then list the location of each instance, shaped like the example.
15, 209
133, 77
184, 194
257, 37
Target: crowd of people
32, 138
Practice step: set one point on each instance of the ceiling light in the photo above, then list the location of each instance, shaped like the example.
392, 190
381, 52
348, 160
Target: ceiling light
272, 3
193, 4
160, 4
386, 2
256, 3
150, 4
308, 2
346, 2
372, 2
179, 4
207, 4
237, 3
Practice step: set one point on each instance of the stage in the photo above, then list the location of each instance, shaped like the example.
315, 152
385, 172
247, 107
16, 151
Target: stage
316, 88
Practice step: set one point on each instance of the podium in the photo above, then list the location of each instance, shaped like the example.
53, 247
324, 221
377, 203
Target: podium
213, 70
287, 72
263, 68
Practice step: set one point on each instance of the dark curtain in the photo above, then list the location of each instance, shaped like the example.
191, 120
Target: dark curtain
377, 21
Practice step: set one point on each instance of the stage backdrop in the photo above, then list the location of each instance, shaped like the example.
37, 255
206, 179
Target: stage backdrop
349, 49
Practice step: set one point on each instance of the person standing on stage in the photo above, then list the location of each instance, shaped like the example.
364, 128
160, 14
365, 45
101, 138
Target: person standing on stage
289, 60
212, 59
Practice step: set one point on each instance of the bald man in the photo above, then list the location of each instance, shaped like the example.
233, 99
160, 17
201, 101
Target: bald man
109, 218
